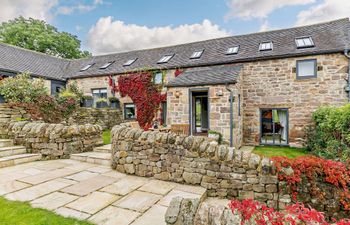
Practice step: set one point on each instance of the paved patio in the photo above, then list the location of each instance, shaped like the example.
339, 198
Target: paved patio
96, 193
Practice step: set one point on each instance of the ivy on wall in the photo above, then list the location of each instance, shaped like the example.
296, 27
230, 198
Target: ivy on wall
144, 93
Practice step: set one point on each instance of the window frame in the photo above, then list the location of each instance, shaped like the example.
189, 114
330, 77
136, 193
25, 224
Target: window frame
88, 66
124, 107
232, 53
99, 89
154, 78
265, 49
130, 62
308, 76
305, 46
166, 56
197, 57
106, 65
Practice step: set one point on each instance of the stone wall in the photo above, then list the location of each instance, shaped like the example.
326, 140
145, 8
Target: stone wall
7, 114
194, 160
223, 171
54, 140
273, 84
219, 109
106, 118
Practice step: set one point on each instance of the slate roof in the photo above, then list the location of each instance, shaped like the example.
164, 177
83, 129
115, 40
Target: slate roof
17, 60
329, 37
208, 75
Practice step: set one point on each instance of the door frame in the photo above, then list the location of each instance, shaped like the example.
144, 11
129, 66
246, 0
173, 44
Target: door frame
260, 126
190, 104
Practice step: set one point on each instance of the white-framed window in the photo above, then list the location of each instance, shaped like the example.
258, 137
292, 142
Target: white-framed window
87, 67
98, 93
158, 78
232, 50
306, 68
129, 62
304, 42
265, 46
196, 54
106, 65
165, 58
129, 111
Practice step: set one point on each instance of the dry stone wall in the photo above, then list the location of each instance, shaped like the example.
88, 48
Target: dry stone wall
194, 160
54, 140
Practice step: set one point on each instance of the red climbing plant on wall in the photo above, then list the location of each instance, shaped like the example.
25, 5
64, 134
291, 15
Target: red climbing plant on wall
144, 93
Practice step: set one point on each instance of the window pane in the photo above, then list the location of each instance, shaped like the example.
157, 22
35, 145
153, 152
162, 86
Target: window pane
129, 111
307, 41
306, 68
158, 78
300, 42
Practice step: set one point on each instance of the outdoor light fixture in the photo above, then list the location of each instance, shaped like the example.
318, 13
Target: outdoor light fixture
177, 94
219, 93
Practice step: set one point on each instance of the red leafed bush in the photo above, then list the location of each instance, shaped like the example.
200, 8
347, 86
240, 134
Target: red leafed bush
251, 210
145, 95
314, 168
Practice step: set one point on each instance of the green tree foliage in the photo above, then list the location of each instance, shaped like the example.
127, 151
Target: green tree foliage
40, 36
330, 136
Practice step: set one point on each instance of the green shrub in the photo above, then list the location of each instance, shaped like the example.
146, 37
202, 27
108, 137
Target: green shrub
329, 137
22, 88
220, 140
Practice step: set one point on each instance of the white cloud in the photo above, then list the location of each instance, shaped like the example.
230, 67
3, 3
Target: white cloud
67, 10
325, 11
38, 9
249, 9
108, 36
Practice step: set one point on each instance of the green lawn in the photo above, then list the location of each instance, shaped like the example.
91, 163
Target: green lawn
106, 135
19, 213
270, 151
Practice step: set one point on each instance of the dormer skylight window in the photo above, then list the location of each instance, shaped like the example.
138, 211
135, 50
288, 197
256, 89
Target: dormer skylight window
87, 67
105, 66
232, 50
304, 42
165, 58
196, 54
265, 46
129, 62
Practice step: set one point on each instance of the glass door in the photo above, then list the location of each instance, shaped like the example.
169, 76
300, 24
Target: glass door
274, 126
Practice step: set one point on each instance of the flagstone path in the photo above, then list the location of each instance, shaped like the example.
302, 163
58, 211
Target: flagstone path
93, 192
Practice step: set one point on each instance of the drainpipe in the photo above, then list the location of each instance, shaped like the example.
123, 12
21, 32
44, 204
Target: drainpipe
346, 53
231, 115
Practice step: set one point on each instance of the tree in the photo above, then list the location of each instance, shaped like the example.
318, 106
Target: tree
40, 36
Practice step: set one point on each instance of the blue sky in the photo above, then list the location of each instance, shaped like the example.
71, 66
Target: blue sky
112, 26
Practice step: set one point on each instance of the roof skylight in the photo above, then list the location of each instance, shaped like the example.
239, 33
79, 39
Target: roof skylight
265, 46
196, 54
129, 62
232, 50
105, 66
304, 42
87, 67
165, 58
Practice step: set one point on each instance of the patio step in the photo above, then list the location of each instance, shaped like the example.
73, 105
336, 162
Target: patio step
100, 158
104, 149
18, 159
12, 150
6, 142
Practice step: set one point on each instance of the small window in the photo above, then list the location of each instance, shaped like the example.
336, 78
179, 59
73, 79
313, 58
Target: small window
164, 112
304, 42
196, 54
265, 46
129, 111
239, 105
165, 59
129, 62
97, 94
232, 50
105, 66
158, 78
87, 67
306, 68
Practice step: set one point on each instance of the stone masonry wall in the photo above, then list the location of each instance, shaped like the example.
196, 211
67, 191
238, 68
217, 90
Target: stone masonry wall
219, 109
194, 160
223, 171
54, 140
106, 118
273, 84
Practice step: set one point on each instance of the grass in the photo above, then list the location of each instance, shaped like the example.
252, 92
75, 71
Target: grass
106, 135
21, 213
270, 151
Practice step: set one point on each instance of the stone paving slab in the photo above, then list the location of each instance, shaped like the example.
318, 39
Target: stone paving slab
50, 175
93, 202
125, 185
39, 190
12, 186
154, 216
90, 185
53, 200
100, 169
165, 201
83, 175
114, 216
162, 187
138, 201
66, 212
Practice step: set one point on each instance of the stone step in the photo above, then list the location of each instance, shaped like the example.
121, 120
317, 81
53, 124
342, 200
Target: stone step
6, 142
18, 159
12, 150
99, 158
104, 148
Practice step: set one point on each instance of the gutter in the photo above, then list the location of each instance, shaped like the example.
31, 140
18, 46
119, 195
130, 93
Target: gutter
231, 114
347, 89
